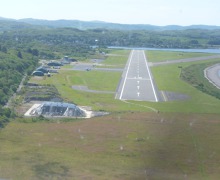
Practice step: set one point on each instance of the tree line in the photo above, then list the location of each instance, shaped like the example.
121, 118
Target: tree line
13, 65
74, 42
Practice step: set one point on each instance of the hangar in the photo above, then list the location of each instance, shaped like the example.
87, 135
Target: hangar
56, 109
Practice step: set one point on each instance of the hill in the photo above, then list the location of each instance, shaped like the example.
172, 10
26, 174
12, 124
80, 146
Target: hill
106, 25
7, 24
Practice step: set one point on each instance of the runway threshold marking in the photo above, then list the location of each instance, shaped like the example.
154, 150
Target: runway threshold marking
140, 78
155, 95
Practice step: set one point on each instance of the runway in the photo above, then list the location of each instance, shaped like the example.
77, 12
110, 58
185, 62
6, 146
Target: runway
137, 82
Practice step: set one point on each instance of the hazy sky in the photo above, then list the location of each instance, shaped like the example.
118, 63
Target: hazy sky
155, 12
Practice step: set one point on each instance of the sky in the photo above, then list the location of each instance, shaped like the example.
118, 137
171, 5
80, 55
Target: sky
154, 12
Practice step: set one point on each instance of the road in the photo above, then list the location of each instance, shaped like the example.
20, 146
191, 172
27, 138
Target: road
184, 60
212, 74
10, 100
137, 82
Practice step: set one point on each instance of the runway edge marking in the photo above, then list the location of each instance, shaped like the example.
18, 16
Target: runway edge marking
130, 57
155, 95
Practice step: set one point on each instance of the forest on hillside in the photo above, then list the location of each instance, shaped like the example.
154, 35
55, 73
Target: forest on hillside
14, 64
74, 42
70, 37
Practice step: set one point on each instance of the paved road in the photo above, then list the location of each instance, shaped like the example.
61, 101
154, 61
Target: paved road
212, 74
137, 82
184, 60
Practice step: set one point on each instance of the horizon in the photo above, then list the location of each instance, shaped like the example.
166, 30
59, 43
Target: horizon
5, 18
153, 12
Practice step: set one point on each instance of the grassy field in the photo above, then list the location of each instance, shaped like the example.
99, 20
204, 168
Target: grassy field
194, 75
117, 58
133, 142
118, 146
167, 79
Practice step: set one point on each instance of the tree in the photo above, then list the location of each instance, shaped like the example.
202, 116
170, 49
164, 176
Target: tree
4, 49
3, 121
35, 52
19, 55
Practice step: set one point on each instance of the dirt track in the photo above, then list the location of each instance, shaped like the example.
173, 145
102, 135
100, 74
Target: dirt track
86, 89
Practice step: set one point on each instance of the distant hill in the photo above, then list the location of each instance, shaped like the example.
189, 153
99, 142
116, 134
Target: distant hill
6, 25
83, 25
99, 24
12, 24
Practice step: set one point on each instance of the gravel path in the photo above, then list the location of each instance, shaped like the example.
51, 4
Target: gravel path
86, 89
9, 103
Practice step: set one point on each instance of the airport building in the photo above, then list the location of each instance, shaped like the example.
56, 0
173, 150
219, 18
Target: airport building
57, 109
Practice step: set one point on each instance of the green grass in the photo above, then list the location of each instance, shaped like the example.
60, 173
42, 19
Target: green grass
167, 79
155, 146
194, 75
159, 56
130, 143
117, 58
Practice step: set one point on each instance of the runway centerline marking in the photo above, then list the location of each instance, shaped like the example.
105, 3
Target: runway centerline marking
155, 95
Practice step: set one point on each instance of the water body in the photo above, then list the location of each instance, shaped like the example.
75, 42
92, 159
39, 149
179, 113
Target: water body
216, 51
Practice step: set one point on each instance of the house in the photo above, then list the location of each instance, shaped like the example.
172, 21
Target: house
73, 60
53, 63
42, 69
38, 73
65, 60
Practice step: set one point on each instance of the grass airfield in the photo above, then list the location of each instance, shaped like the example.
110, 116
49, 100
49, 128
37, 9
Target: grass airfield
133, 142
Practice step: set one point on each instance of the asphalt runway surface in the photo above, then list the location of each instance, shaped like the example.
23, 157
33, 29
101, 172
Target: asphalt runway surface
137, 82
